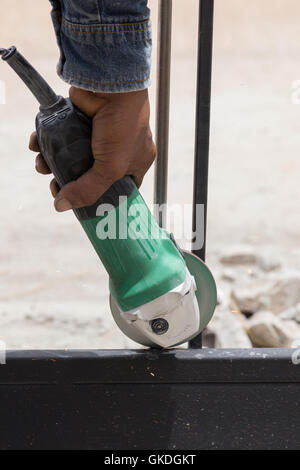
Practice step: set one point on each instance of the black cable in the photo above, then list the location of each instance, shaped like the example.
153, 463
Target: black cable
34, 81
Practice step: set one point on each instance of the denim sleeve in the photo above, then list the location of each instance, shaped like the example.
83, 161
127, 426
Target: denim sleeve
105, 45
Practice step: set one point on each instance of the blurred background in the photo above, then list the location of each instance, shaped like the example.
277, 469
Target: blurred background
53, 289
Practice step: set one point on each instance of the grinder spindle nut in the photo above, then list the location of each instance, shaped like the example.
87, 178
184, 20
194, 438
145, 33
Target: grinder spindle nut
159, 326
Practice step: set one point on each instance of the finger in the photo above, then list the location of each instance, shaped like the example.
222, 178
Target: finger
138, 179
83, 192
41, 166
54, 188
138, 173
33, 143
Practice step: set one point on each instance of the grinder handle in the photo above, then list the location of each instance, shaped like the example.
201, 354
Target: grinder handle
64, 135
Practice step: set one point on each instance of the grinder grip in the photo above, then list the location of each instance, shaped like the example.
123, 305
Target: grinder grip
64, 135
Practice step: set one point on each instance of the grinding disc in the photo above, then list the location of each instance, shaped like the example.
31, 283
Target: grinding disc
206, 292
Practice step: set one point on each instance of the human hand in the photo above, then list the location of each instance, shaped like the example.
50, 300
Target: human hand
122, 145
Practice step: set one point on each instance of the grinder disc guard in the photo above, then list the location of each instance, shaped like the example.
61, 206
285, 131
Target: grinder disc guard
206, 295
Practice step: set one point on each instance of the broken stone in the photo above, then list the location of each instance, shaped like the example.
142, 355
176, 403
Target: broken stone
228, 331
242, 255
292, 313
229, 275
268, 265
251, 297
272, 295
246, 256
266, 330
284, 294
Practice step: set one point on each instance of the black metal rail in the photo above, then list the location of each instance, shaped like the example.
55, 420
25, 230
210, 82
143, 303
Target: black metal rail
163, 109
179, 399
203, 106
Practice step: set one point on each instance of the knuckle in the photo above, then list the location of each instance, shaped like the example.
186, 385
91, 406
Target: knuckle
153, 151
151, 154
150, 145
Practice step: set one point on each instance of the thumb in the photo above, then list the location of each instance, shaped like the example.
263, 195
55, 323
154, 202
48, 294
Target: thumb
83, 192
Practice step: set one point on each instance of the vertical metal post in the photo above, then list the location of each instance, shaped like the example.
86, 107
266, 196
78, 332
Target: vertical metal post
163, 109
203, 105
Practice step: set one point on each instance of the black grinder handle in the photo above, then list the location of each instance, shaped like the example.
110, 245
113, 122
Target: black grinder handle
64, 135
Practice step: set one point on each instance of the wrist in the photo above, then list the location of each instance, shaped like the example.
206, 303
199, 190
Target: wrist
91, 102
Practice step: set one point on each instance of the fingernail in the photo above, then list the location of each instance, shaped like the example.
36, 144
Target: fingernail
63, 205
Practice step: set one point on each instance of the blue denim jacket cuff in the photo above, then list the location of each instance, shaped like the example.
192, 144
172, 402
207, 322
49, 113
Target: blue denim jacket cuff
108, 58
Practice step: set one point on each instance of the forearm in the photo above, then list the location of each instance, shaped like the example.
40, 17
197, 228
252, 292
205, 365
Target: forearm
105, 45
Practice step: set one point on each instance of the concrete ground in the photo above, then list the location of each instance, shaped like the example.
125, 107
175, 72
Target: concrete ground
53, 289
